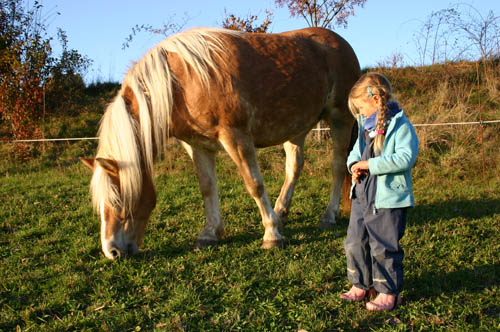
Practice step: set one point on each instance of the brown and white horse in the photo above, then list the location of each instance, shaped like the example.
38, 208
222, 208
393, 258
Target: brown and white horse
217, 90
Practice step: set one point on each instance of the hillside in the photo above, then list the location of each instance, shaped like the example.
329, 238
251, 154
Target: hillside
450, 93
435, 94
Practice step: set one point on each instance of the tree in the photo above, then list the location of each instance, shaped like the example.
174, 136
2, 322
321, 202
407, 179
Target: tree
322, 13
247, 24
65, 85
26, 65
23, 56
432, 39
481, 34
458, 33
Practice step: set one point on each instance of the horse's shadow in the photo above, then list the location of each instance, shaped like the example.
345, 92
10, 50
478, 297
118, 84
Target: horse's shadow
298, 230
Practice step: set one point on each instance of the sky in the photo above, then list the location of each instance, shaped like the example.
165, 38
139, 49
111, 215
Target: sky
99, 28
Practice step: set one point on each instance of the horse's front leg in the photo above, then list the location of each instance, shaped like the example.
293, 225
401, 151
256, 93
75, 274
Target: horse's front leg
240, 148
204, 162
294, 150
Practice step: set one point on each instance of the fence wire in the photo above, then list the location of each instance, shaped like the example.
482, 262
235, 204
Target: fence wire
315, 129
441, 124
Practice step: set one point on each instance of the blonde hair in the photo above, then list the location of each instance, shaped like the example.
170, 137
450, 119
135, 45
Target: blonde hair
367, 86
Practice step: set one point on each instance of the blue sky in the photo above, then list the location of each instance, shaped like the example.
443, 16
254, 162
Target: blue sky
98, 28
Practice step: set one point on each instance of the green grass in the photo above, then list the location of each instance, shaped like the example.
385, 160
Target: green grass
54, 277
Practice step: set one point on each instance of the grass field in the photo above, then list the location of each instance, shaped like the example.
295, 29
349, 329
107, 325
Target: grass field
54, 277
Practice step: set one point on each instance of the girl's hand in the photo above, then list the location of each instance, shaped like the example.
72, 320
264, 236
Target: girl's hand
356, 175
361, 165
359, 169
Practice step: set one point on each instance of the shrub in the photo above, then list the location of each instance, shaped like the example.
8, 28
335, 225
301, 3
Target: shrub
29, 73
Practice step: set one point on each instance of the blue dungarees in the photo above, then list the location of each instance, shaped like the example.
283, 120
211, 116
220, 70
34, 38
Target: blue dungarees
374, 256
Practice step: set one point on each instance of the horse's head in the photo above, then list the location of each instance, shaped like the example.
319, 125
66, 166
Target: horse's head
122, 228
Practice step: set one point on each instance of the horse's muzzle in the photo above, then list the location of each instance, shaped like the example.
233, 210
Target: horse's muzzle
117, 253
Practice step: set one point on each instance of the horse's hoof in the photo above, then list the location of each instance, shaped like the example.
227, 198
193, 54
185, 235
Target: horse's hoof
282, 218
282, 221
205, 243
326, 225
272, 244
281, 224
327, 221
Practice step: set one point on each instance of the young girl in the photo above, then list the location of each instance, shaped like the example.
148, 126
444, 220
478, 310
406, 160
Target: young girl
380, 163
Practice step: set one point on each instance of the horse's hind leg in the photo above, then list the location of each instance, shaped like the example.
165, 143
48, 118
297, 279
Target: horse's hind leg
340, 130
242, 151
294, 150
204, 162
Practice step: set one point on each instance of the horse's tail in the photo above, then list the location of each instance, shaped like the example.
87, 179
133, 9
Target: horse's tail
346, 186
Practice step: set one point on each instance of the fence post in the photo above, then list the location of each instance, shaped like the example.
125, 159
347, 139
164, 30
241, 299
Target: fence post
318, 131
43, 119
480, 120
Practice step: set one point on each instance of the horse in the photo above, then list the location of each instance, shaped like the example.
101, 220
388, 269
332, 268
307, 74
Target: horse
213, 90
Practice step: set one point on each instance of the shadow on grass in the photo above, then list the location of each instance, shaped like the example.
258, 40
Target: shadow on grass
180, 248
427, 287
433, 284
471, 209
297, 231
166, 251
303, 229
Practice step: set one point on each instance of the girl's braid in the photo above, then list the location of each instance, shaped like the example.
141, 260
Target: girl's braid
381, 126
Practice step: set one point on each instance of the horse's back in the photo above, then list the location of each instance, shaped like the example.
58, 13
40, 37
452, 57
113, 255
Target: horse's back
342, 61
274, 86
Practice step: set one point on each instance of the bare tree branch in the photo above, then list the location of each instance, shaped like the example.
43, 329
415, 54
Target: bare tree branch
325, 13
172, 26
247, 24
458, 33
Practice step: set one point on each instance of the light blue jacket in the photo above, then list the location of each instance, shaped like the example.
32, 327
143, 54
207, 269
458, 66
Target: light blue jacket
393, 166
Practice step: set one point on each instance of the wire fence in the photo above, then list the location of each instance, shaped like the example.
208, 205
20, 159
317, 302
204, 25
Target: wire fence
51, 140
315, 129
440, 124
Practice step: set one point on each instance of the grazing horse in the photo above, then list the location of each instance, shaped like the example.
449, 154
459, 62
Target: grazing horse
214, 90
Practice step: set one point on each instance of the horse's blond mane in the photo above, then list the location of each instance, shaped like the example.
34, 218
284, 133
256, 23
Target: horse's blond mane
126, 141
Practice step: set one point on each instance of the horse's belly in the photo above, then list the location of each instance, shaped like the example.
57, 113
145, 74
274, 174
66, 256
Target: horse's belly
201, 142
280, 133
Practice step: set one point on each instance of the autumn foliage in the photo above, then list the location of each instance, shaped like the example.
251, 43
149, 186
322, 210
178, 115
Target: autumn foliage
28, 70
23, 55
247, 24
322, 13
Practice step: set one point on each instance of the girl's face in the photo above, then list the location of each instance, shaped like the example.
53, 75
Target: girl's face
369, 105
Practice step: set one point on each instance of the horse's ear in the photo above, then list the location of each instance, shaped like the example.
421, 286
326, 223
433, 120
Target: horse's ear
88, 162
110, 166
131, 102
